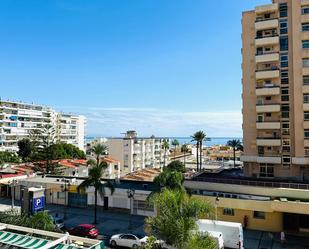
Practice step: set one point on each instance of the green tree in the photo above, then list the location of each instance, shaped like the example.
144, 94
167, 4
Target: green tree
201, 240
236, 145
165, 147
8, 157
25, 148
99, 150
175, 143
176, 218
184, 150
199, 137
176, 166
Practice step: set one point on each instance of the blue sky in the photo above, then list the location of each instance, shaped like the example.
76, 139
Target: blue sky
163, 67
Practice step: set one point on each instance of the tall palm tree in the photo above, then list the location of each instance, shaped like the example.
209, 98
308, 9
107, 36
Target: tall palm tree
165, 147
199, 137
196, 138
175, 143
184, 150
236, 145
94, 180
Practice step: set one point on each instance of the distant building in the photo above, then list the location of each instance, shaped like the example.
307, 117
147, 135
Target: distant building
135, 153
17, 120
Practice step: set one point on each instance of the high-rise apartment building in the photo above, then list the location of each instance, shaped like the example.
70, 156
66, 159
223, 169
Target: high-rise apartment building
136, 153
17, 120
275, 96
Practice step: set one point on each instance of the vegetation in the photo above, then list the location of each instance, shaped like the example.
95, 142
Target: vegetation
94, 178
236, 145
40, 220
200, 240
165, 147
184, 150
199, 137
175, 143
25, 147
175, 222
8, 157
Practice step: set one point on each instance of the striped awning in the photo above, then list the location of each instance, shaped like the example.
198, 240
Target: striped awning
10, 240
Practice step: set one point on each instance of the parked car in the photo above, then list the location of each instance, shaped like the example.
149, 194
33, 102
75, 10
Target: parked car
59, 222
128, 240
85, 230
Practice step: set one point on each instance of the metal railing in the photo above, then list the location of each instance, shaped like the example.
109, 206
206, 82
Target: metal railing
253, 183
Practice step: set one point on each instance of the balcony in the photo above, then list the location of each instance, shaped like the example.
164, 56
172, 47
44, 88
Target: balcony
305, 88
266, 24
268, 141
267, 40
249, 159
267, 90
268, 125
300, 160
269, 159
267, 73
268, 8
262, 108
306, 106
267, 57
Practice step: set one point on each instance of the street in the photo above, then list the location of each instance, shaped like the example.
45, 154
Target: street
112, 222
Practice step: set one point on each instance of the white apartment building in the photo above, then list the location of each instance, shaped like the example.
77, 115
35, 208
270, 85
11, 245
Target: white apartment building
18, 119
136, 153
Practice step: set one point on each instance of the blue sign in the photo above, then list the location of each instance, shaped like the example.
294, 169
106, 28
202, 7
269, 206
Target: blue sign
38, 204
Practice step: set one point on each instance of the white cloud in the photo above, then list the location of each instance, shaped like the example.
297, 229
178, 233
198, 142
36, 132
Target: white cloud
160, 122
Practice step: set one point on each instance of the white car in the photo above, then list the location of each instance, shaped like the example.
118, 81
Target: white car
128, 240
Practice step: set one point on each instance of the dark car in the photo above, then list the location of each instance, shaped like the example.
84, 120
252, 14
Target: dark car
85, 230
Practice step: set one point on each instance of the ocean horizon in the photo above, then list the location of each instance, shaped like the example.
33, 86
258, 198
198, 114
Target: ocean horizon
186, 140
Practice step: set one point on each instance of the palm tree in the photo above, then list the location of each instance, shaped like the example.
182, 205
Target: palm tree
175, 143
99, 150
195, 138
165, 147
236, 145
94, 180
184, 150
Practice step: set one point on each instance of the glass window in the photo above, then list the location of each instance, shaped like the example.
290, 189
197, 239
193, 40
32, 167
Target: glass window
283, 8
306, 116
284, 73
306, 98
305, 10
306, 133
284, 26
305, 26
306, 62
228, 211
284, 60
266, 170
284, 43
305, 44
259, 215
306, 79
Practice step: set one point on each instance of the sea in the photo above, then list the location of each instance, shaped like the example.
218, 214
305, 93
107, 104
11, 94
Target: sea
188, 140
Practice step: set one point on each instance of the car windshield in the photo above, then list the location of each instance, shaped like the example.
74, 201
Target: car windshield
139, 236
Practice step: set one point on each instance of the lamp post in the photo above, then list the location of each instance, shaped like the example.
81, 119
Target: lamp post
130, 193
216, 206
65, 189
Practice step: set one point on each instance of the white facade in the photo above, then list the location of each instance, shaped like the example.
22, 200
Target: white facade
136, 153
17, 120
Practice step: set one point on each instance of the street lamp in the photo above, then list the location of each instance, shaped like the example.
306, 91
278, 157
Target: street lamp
216, 206
65, 189
130, 193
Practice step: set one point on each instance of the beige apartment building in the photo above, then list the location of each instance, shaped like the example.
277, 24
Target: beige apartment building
275, 95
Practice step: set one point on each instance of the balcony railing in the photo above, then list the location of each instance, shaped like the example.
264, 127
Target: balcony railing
266, 53
266, 36
274, 68
245, 182
265, 19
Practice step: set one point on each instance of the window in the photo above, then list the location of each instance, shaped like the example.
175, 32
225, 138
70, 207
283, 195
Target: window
306, 151
306, 98
306, 116
266, 170
305, 26
285, 109
305, 10
228, 211
305, 44
306, 62
306, 133
286, 160
285, 94
60, 195
259, 215
260, 118
268, 98
284, 43
306, 79
268, 114
283, 9
284, 60
284, 26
